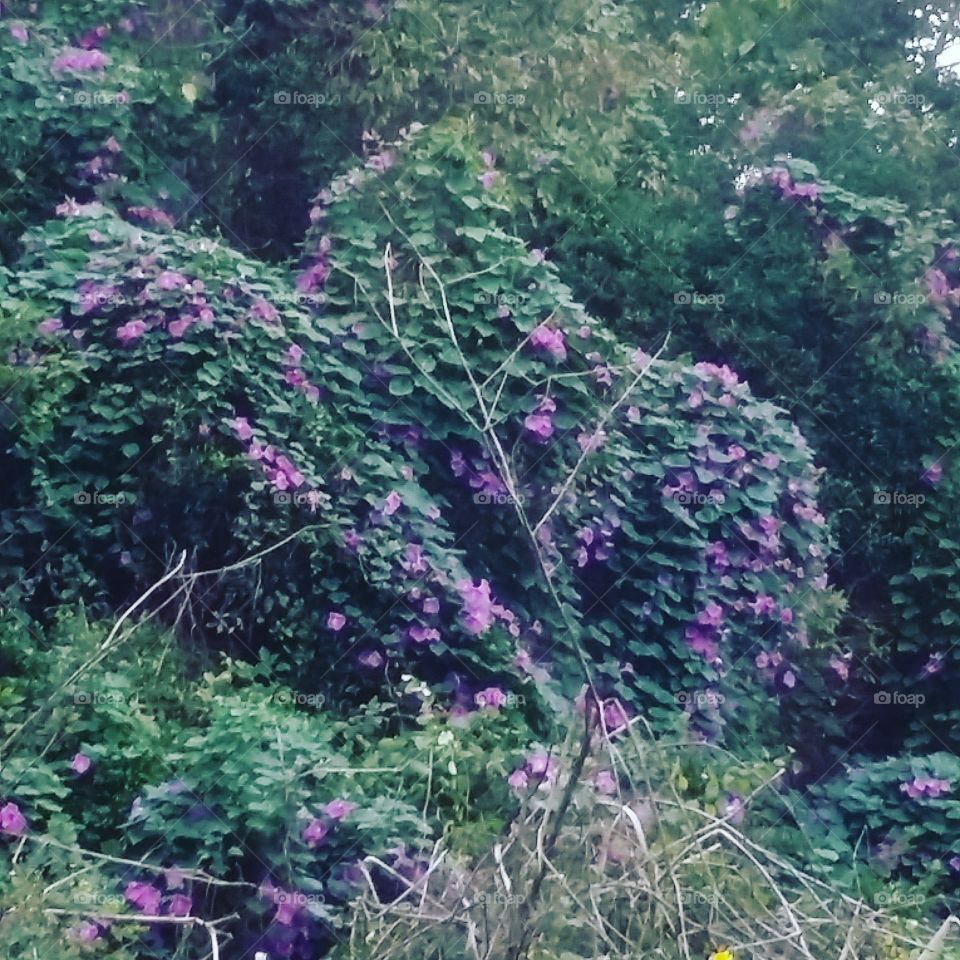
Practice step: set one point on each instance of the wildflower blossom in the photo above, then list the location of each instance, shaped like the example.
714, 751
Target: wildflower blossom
925, 787
179, 905
933, 473
80, 764
151, 215
177, 328
49, 326
841, 668
85, 932
131, 331
12, 821
549, 340
75, 60
339, 809
477, 605
518, 780
241, 427
421, 634
762, 605
145, 896
314, 833
605, 782
492, 698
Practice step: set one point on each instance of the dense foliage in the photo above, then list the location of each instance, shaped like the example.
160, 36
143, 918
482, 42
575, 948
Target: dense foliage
394, 392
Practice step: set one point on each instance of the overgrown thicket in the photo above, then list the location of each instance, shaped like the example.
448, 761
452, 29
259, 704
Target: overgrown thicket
478, 480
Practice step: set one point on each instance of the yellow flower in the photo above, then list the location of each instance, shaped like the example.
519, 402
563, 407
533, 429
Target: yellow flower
722, 954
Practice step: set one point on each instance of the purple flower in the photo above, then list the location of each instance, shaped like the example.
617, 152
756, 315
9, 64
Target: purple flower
12, 821
937, 283
392, 503
933, 474
492, 698
177, 328
314, 833
477, 605
19, 33
934, 664
421, 634
591, 442
93, 38
381, 162
549, 340
372, 659
80, 764
540, 425
241, 427
77, 61
765, 660
603, 375
85, 932
431, 605
716, 554
605, 782
786, 615
145, 896
841, 668
131, 331
458, 466
171, 280
487, 179
313, 277
179, 905
925, 787
336, 621
262, 310
711, 615
518, 779
733, 809
769, 525
151, 215
339, 809
542, 767
763, 605
702, 642
49, 326
286, 910
413, 560
614, 716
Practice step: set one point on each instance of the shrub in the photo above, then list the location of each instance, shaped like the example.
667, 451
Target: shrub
677, 515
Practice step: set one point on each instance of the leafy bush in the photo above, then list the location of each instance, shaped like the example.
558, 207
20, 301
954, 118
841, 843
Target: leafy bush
677, 514
83, 117
901, 816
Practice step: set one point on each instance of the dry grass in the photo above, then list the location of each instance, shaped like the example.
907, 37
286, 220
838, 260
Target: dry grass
645, 874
